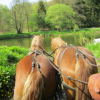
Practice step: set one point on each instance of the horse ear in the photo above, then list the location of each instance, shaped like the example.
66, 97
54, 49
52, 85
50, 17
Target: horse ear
34, 35
51, 38
41, 35
59, 36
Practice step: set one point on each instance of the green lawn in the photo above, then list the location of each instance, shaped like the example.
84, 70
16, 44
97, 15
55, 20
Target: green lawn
85, 31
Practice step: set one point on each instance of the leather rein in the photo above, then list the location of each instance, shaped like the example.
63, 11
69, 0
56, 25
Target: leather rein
78, 52
36, 52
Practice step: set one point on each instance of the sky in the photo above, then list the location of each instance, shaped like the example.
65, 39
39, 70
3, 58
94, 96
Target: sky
8, 2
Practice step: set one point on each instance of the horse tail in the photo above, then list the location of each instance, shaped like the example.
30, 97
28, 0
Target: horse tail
82, 72
34, 87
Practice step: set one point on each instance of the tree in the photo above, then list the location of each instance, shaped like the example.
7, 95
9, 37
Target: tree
41, 13
87, 12
60, 16
19, 13
37, 17
28, 11
33, 21
4, 19
79, 8
92, 13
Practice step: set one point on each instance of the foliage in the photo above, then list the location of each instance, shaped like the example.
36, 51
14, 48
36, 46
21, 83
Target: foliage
87, 11
4, 19
84, 40
33, 21
41, 14
60, 16
95, 49
9, 57
12, 36
41, 7
6, 81
84, 31
75, 27
19, 13
22, 14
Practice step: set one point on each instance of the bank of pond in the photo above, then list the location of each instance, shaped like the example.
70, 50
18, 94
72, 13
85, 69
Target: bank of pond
10, 56
84, 31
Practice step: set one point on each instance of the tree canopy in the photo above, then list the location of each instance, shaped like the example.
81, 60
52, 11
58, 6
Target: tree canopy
60, 16
4, 18
56, 14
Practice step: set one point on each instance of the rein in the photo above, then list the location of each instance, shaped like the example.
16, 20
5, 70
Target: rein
81, 53
36, 52
68, 77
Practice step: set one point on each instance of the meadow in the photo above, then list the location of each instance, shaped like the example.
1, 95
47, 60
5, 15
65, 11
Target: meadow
85, 31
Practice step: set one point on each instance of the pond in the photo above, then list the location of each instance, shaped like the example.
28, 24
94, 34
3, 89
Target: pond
26, 42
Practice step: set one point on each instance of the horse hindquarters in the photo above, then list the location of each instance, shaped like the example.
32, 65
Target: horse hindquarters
34, 87
82, 72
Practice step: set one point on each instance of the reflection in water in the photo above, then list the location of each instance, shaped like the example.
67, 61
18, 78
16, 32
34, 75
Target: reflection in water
26, 42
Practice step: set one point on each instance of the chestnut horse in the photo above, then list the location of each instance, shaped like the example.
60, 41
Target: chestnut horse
35, 81
94, 86
76, 65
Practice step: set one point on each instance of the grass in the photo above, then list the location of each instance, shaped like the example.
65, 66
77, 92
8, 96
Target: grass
13, 35
85, 31
95, 49
68, 31
9, 57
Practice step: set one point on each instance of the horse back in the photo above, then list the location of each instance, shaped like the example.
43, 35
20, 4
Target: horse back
90, 59
49, 74
24, 68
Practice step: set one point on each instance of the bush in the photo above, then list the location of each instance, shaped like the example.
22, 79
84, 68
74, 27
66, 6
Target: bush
95, 49
7, 75
12, 36
9, 57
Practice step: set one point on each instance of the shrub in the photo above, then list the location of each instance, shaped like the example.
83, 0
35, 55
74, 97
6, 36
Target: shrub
9, 57
7, 75
95, 49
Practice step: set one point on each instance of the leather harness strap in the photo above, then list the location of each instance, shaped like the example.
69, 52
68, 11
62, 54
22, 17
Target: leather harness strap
36, 52
61, 55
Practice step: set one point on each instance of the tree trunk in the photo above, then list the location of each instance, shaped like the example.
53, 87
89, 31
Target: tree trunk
19, 31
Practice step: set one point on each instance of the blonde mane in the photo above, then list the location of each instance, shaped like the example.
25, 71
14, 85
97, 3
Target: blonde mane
37, 43
57, 42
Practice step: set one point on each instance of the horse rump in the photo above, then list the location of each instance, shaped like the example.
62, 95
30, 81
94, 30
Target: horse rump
34, 87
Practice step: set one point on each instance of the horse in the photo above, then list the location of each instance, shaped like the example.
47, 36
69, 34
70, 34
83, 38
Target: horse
35, 77
76, 65
94, 86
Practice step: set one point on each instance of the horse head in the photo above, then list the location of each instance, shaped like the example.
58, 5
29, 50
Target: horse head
57, 42
37, 43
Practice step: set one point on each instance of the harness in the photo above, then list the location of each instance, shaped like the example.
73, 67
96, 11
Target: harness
78, 53
58, 93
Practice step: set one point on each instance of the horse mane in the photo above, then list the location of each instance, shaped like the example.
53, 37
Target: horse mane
34, 85
58, 42
37, 43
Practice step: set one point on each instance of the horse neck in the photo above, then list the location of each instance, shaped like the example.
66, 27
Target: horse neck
35, 48
56, 55
39, 48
